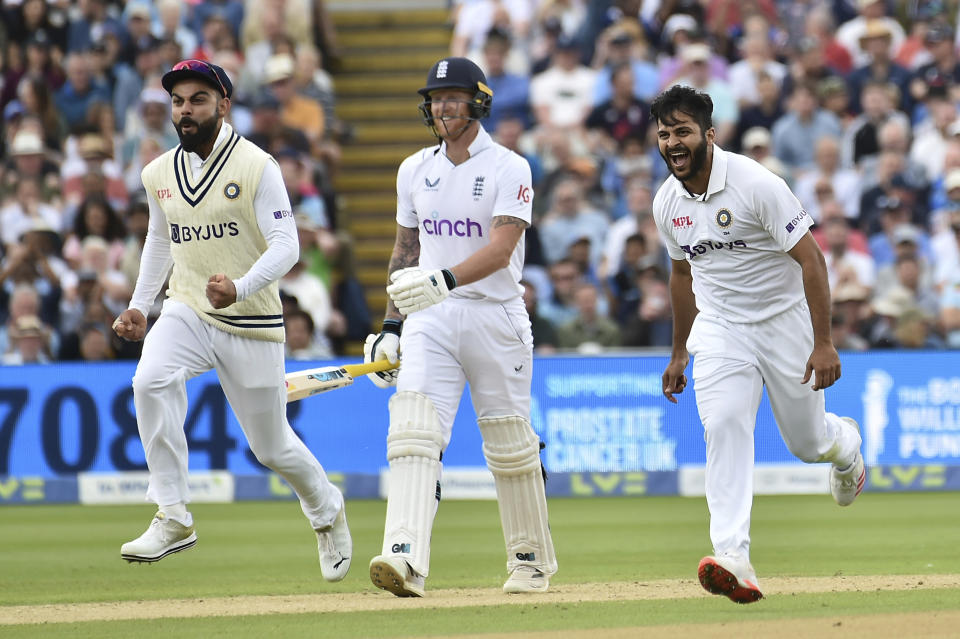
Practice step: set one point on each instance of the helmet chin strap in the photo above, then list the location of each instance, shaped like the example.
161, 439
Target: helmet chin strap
452, 134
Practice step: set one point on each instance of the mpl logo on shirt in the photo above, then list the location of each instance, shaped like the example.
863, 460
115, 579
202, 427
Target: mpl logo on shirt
683, 222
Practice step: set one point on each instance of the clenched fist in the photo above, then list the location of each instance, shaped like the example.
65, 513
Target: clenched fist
131, 325
221, 291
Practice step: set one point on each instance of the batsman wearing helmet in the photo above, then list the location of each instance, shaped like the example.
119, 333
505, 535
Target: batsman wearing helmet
456, 314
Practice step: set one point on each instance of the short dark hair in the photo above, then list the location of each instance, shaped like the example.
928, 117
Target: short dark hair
686, 100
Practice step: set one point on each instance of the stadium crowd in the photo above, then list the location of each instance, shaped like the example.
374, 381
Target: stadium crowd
853, 102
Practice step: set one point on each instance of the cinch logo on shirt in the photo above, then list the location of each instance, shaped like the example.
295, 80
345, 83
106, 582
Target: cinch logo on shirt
682, 222
792, 224
460, 228
183, 233
709, 245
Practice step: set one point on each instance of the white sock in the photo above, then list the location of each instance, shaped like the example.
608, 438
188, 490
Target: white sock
177, 512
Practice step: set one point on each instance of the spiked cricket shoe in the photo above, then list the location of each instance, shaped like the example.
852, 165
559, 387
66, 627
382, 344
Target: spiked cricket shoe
335, 547
526, 579
846, 483
164, 536
730, 576
395, 575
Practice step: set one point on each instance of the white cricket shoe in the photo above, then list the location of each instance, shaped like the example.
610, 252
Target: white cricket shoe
846, 483
395, 575
335, 547
731, 576
163, 537
526, 579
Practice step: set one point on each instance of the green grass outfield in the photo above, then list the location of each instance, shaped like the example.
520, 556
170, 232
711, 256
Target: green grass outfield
70, 555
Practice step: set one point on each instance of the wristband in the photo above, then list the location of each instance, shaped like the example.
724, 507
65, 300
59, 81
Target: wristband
449, 279
392, 326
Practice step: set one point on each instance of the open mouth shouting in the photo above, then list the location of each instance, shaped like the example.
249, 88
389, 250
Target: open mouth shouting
679, 159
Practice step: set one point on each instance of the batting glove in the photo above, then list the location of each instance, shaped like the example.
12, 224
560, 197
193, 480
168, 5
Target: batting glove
413, 289
386, 346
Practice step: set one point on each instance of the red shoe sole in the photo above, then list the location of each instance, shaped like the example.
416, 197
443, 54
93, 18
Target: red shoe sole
717, 580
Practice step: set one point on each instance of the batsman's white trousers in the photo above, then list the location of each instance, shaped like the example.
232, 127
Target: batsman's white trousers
181, 346
732, 364
487, 343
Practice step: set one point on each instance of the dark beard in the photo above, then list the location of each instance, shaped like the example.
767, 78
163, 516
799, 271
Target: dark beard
698, 159
191, 141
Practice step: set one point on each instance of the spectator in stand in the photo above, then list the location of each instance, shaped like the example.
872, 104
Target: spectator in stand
313, 81
170, 25
696, 72
95, 257
559, 308
944, 65
562, 96
944, 194
23, 301
138, 19
231, 12
808, 65
589, 331
851, 31
763, 114
94, 343
27, 265
835, 98
91, 170
473, 20
757, 57
269, 132
639, 220
300, 344
544, 332
945, 244
623, 44
79, 91
796, 132
302, 193
134, 78
95, 218
652, 322
27, 211
149, 120
512, 89
36, 100
622, 116
896, 228
29, 343
757, 144
844, 265
29, 162
29, 19
39, 59
570, 218
912, 272
136, 223
296, 111
881, 68
94, 20
845, 181
931, 136
893, 137
850, 308
679, 31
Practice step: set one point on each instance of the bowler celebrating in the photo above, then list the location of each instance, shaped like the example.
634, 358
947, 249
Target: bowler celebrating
220, 218
752, 304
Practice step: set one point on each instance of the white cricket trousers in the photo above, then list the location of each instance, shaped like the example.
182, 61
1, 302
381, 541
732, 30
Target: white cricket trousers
181, 346
488, 343
732, 364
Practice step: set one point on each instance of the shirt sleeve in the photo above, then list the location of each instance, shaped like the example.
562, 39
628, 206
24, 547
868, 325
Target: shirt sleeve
406, 213
780, 212
155, 261
271, 205
515, 189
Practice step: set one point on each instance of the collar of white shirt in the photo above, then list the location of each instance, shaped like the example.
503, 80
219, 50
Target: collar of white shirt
718, 177
481, 142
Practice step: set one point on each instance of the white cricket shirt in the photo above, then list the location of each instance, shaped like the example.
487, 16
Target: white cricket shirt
736, 237
452, 206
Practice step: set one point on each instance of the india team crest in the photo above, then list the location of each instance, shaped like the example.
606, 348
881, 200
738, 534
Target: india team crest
724, 218
231, 191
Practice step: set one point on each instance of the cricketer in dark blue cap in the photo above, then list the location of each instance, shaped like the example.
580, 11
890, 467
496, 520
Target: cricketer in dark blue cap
197, 111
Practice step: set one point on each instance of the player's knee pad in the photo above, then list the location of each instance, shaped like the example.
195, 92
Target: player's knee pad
512, 450
414, 447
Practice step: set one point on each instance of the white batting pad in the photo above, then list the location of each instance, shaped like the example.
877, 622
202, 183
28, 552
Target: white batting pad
512, 450
414, 444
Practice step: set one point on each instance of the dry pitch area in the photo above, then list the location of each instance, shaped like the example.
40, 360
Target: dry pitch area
934, 624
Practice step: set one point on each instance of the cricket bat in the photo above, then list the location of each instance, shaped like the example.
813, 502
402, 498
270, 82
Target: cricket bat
314, 381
